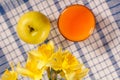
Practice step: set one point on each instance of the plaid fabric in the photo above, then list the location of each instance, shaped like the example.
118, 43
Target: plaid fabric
100, 52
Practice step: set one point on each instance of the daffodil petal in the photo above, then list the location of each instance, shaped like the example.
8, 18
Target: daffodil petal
51, 44
24, 72
77, 74
84, 73
9, 75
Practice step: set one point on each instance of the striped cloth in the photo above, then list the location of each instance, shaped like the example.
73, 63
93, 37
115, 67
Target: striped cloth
100, 52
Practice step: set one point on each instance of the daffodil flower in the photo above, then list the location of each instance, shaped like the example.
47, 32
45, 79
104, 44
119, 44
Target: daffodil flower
42, 54
76, 74
37, 61
9, 75
31, 70
44, 58
70, 67
57, 60
70, 62
46, 51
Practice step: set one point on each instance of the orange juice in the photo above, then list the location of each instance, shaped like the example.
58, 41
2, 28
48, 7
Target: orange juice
76, 22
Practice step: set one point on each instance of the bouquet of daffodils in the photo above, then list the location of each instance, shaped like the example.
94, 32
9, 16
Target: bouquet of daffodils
55, 63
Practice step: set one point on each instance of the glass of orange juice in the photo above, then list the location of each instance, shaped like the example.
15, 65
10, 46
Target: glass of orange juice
76, 22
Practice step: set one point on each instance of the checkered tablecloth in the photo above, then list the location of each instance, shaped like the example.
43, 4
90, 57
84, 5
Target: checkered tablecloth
100, 52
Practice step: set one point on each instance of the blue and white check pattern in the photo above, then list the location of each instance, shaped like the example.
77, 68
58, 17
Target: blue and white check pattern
100, 52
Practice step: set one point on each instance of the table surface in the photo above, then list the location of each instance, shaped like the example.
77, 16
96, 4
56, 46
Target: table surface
100, 52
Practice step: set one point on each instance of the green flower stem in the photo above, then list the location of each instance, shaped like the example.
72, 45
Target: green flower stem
48, 73
52, 74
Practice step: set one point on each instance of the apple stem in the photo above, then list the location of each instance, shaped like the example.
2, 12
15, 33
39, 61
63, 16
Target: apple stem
31, 29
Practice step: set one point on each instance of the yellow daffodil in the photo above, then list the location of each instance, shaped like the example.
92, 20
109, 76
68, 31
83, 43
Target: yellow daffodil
9, 75
76, 74
44, 58
72, 68
37, 61
42, 54
31, 70
57, 60
70, 62
69, 66
46, 51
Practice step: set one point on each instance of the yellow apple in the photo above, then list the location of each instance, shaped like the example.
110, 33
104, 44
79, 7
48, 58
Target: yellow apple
33, 27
